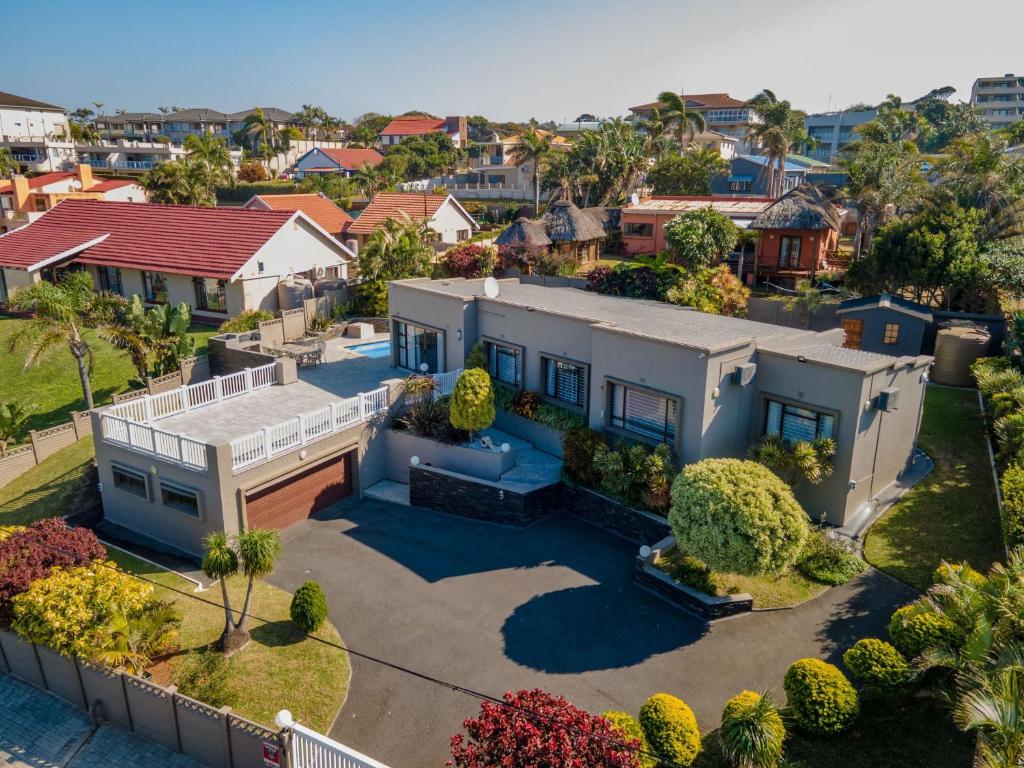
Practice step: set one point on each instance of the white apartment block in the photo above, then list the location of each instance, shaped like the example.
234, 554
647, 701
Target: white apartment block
1000, 100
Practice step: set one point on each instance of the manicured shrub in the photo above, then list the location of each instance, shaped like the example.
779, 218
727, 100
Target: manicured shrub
538, 729
309, 607
472, 403
878, 665
752, 733
914, 629
821, 698
578, 448
203, 675
737, 516
249, 320
1013, 506
29, 554
671, 729
828, 560
632, 734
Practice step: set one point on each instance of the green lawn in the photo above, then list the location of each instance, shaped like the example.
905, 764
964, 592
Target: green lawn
951, 514
54, 385
47, 488
279, 669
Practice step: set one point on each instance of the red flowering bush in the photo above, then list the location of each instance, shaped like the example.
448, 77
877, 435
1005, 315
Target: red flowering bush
470, 260
601, 279
537, 728
30, 554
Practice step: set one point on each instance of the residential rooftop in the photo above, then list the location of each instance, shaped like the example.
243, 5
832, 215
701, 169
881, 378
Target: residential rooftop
723, 204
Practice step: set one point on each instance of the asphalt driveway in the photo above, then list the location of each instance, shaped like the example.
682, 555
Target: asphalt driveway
494, 608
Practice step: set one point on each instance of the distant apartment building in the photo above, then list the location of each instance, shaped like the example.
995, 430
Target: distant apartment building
37, 134
722, 113
834, 131
176, 126
999, 100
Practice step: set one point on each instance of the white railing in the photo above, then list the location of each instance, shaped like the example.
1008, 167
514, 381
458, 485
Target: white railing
309, 749
147, 439
306, 427
444, 383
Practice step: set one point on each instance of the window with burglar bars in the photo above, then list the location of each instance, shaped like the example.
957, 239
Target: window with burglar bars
644, 412
564, 381
505, 363
797, 424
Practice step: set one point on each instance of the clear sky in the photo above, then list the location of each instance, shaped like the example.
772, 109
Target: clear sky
549, 59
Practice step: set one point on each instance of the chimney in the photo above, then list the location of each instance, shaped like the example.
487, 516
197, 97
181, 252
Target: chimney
21, 193
84, 173
457, 124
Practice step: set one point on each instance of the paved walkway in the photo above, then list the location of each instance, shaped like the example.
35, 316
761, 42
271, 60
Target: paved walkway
495, 608
38, 729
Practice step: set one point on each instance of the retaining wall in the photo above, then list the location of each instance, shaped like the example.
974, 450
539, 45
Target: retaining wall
43, 443
456, 494
636, 525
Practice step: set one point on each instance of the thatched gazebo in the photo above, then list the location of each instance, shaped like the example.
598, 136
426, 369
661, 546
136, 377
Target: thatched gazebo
523, 231
572, 230
799, 236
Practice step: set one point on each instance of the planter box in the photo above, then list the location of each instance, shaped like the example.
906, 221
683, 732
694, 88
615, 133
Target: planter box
543, 438
708, 607
637, 525
463, 459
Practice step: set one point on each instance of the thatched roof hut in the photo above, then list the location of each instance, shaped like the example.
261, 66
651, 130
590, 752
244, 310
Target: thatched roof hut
523, 231
566, 223
804, 207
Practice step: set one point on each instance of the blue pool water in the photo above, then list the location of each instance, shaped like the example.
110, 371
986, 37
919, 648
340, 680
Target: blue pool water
373, 349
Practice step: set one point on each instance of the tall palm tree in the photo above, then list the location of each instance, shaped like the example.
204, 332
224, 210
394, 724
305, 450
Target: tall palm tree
563, 175
262, 133
533, 148
371, 180
258, 551
991, 704
780, 129
62, 311
688, 122
400, 249
221, 562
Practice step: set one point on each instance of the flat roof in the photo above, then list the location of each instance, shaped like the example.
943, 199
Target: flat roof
843, 357
740, 207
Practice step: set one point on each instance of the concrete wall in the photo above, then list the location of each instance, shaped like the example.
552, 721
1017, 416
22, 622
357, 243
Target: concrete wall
475, 462
776, 312
214, 737
43, 444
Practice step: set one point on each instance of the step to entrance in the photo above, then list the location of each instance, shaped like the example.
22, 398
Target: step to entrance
390, 491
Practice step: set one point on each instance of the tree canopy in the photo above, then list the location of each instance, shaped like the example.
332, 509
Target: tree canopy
697, 237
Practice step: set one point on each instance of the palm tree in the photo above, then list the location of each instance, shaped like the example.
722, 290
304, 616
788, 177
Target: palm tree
533, 148
157, 339
990, 703
398, 250
258, 550
63, 311
688, 122
778, 130
132, 639
810, 461
13, 415
262, 134
221, 562
562, 175
372, 179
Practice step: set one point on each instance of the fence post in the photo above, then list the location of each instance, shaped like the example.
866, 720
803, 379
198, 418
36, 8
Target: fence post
267, 443
248, 379
39, 664
147, 404
184, 398
302, 430
74, 423
218, 388
229, 758
35, 446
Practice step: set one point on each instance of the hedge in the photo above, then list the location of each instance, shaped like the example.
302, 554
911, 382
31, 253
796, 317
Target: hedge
631, 730
1013, 506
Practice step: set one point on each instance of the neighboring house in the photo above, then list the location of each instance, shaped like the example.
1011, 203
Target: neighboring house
316, 206
884, 323
643, 223
23, 200
134, 158
799, 237
563, 228
441, 213
221, 261
832, 132
706, 385
37, 134
722, 113
749, 175
401, 128
329, 160
999, 100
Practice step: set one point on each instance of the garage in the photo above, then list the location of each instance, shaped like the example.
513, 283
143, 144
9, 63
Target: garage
297, 497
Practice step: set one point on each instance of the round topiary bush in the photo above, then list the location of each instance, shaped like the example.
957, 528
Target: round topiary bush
821, 698
752, 732
737, 516
878, 665
914, 629
309, 607
472, 403
671, 729
629, 728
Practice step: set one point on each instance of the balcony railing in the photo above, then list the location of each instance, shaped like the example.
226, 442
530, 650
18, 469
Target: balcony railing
444, 383
257, 447
136, 165
144, 438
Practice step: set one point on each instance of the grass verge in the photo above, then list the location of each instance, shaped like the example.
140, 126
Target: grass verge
46, 489
279, 669
950, 515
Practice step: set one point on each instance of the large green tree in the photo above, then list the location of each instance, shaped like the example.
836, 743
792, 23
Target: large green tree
687, 174
696, 238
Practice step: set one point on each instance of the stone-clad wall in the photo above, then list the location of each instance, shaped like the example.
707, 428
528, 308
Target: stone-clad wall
633, 524
444, 491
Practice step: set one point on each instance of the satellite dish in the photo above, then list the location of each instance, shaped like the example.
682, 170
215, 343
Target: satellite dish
491, 288
634, 199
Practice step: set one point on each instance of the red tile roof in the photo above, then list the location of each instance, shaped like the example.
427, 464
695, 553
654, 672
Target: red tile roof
391, 205
205, 242
319, 208
351, 159
700, 101
413, 126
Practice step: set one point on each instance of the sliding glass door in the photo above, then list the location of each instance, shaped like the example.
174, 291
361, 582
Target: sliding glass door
418, 347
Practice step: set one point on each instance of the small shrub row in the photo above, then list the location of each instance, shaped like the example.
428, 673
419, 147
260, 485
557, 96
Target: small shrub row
246, 321
529, 405
828, 560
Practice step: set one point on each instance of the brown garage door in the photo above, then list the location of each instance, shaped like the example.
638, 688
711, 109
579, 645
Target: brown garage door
289, 501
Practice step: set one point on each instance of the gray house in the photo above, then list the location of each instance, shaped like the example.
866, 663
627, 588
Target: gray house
884, 323
707, 385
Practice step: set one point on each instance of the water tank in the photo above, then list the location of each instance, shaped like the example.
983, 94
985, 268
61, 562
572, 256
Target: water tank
321, 287
292, 291
956, 348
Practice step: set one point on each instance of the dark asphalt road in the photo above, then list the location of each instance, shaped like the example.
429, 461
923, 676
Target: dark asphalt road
494, 608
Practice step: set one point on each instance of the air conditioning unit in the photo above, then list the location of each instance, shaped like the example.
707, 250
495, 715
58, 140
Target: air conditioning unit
743, 374
888, 399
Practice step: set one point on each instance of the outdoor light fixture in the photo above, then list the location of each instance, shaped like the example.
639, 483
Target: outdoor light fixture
152, 469
284, 719
303, 454
458, 334
505, 447
645, 551
415, 461
424, 367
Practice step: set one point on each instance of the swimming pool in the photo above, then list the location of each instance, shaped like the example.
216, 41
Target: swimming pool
373, 349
